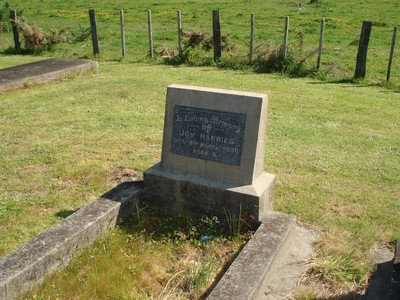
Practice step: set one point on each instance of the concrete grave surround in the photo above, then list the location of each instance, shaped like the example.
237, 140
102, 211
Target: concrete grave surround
212, 160
43, 71
53, 249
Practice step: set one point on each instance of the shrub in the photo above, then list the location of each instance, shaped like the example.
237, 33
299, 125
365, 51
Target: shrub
192, 43
36, 39
269, 58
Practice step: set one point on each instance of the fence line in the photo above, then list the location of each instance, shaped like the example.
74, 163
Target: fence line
216, 35
321, 43
13, 18
122, 19
150, 25
251, 37
360, 62
391, 54
285, 38
179, 17
93, 27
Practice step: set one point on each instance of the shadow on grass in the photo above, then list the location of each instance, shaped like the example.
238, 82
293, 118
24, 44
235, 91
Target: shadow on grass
389, 86
64, 213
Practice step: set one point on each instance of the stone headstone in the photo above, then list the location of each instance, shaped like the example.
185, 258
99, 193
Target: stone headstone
212, 160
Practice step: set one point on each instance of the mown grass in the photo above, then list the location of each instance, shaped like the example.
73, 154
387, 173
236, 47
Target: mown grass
343, 25
333, 147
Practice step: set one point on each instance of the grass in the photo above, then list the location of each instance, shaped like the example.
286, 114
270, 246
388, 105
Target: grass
343, 26
333, 145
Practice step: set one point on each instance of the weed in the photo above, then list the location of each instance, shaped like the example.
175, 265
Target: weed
193, 42
340, 269
5, 21
178, 59
35, 39
305, 294
268, 58
79, 35
5, 24
199, 275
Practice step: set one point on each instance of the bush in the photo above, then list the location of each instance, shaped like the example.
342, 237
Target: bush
193, 44
36, 39
268, 59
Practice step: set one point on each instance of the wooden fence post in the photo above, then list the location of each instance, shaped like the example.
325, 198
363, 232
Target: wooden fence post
122, 19
285, 39
13, 17
179, 16
321, 43
251, 37
216, 35
151, 51
93, 30
391, 54
361, 66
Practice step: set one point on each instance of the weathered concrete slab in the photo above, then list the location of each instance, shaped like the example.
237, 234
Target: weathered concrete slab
53, 249
248, 276
43, 71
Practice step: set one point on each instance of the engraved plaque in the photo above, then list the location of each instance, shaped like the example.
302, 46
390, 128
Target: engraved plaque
208, 134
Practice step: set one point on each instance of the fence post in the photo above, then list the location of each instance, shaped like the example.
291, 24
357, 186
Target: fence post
216, 35
361, 66
13, 17
179, 16
321, 43
285, 39
251, 37
121, 16
151, 53
93, 30
391, 53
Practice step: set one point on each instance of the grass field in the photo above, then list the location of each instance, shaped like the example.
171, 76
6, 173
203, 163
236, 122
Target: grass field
333, 146
342, 30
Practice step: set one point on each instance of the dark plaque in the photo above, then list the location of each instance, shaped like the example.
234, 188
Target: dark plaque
208, 134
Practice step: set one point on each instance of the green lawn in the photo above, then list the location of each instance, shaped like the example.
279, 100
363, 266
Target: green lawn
333, 147
342, 30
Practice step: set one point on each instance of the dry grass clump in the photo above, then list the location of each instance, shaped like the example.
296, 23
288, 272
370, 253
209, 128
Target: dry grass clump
35, 38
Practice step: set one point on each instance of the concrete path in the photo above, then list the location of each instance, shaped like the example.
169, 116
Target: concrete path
43, 71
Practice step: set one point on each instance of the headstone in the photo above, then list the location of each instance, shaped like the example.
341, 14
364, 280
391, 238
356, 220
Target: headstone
212, 160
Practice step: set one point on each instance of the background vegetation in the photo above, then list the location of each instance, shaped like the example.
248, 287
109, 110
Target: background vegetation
342, 30
333, 146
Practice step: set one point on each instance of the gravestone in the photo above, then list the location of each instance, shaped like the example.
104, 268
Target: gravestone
212, 160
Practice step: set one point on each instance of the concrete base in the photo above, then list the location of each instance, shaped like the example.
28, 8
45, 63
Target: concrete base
198, 196
249, 275
53, 249
43, 71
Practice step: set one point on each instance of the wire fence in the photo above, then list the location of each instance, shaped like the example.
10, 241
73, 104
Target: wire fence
340, 39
